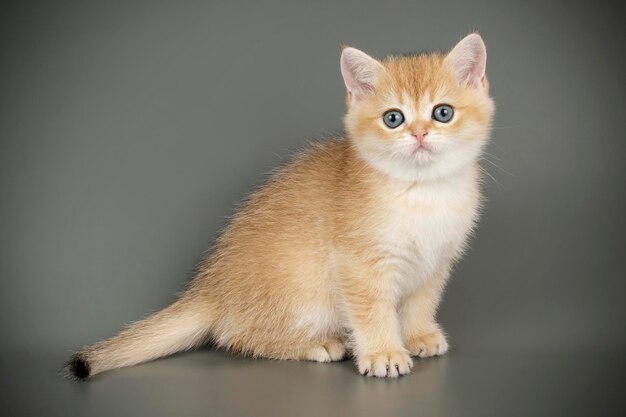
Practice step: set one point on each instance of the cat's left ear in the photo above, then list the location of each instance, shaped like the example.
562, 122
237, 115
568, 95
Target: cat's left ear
468, 60
359, 72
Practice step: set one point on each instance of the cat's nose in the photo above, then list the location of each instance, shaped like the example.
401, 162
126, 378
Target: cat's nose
420, 135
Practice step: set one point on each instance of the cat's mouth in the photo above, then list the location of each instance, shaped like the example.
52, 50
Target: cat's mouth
422, 148
422, 154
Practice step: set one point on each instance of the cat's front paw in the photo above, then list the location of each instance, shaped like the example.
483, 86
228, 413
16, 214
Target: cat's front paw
428, 344
385, 364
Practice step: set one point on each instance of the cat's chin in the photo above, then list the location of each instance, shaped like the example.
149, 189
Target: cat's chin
422, 165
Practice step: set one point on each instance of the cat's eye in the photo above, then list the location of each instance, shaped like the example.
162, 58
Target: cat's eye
393, 118
443, 113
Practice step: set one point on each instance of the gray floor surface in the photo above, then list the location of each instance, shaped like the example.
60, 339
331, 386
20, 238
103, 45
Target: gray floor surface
213, 383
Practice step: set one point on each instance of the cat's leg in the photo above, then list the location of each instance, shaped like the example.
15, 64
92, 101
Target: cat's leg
420, 332
330, 351
296, 348
371, 310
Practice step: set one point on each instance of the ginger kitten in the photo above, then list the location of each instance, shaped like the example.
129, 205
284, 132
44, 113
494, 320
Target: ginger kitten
349, 246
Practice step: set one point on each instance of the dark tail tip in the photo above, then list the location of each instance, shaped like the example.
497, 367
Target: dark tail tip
79, 368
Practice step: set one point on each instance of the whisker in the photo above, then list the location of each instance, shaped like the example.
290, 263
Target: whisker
497, 146
499, 167
495, 157
491, 176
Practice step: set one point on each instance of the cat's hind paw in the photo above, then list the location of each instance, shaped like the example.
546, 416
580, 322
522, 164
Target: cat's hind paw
331, 351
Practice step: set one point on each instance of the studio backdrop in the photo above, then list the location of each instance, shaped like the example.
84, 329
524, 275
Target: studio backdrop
130, 130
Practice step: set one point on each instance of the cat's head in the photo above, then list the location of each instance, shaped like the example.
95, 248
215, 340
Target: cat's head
419, 117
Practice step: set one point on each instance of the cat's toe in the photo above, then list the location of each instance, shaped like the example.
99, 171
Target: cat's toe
429, 344
317, 354
336, 350
332, 350
385, 364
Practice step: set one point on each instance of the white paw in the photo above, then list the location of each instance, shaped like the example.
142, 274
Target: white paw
332, 350
430, 344
385, 364
336, 350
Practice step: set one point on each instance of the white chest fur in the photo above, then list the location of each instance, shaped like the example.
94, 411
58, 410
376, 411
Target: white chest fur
425, 226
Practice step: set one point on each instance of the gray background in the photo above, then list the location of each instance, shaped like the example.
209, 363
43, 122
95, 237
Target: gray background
129, 130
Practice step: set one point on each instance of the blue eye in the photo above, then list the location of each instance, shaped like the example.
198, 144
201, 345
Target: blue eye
443, 113
393, 118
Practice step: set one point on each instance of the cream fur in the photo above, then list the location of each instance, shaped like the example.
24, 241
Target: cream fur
350, 245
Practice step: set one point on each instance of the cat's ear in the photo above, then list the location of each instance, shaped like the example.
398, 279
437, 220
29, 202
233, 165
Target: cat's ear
468, 60
359, 72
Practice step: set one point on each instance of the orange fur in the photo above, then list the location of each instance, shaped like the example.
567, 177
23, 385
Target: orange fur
339, 250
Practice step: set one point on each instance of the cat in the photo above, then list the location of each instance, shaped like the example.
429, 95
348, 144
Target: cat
346, 249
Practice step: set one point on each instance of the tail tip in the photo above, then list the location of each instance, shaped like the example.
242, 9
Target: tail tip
79, 368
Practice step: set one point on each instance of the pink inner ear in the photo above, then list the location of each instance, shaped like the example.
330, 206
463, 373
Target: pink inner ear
468, 60
359, 72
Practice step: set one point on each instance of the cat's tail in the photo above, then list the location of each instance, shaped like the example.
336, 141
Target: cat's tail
181, 326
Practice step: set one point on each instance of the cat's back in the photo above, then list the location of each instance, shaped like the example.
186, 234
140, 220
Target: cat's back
316, 170
303, 187
294, 208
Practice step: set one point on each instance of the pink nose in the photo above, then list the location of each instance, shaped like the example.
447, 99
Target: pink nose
420, 135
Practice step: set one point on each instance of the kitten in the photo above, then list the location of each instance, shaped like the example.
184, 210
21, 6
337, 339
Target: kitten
349, 246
